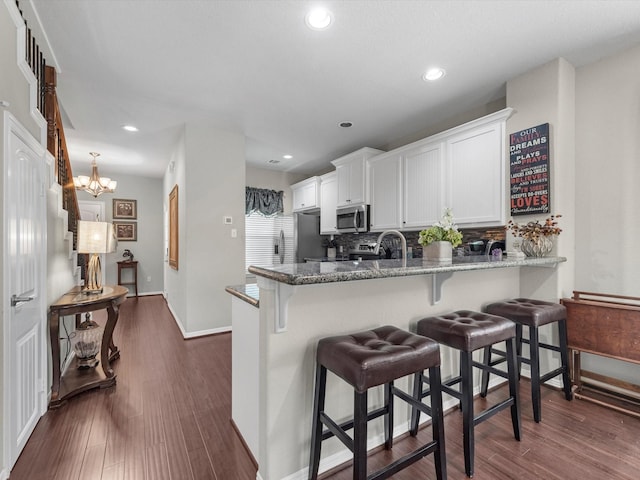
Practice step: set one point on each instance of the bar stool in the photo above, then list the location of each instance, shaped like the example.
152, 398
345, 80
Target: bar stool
533, 314
468, 331
365, 360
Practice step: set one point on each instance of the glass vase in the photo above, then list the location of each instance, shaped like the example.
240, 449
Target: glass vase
537, 247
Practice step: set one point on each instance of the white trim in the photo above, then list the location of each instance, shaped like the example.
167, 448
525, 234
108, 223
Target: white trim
200, 333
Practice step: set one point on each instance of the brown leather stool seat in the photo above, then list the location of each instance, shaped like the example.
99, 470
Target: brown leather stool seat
365, 360
532, 314
468, 331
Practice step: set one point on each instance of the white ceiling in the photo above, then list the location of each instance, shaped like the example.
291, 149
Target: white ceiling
254, 67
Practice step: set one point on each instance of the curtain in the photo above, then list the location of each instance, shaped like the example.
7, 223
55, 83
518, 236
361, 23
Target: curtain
267, 202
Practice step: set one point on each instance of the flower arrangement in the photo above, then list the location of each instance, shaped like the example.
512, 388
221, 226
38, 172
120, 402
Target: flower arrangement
443, 231
534, 230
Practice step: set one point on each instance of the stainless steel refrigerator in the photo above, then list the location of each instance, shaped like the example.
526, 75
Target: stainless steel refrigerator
297, 237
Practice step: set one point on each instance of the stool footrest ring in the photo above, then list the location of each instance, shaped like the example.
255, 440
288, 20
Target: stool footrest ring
404, 462
491, 411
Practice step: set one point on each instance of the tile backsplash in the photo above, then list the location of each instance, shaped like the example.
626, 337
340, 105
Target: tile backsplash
350, 240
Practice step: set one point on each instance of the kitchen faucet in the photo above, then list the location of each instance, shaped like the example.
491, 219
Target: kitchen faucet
402, 240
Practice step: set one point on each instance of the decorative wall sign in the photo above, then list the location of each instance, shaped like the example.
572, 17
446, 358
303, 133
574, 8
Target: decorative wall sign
126, 231
529, 170
125, 209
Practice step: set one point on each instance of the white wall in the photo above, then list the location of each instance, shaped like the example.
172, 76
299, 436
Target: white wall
148, 249
607, 172
175, 281
546, 95
210, 172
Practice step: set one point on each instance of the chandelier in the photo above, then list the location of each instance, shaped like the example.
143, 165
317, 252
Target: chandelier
95, 184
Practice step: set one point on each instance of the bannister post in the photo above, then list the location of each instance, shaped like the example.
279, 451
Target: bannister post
50, 82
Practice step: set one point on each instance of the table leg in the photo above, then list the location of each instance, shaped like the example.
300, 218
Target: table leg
54, 331
108, 349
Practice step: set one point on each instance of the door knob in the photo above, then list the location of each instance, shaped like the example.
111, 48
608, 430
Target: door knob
16, 299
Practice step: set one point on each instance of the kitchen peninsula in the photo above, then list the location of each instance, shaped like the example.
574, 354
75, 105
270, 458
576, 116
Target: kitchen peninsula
301, 303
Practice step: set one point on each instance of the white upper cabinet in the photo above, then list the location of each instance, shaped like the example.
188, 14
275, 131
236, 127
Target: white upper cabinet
306, 195
353, 176
476, 159
424, 180
463, 168
386, 191
328, 202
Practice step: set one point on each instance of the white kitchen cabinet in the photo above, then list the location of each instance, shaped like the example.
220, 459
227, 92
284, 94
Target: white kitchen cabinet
306, 195
353, 176
328, 202
463, 168
423, 185
386, 191
476, 160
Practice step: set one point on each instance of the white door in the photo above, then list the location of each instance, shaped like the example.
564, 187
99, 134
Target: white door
24, 286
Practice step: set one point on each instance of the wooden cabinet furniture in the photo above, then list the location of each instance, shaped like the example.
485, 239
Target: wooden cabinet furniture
130, 265
606, 325
328, 201
72, 381
306, 195
353, 177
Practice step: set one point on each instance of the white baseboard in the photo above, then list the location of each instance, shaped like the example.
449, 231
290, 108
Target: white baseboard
4, 474
199, 333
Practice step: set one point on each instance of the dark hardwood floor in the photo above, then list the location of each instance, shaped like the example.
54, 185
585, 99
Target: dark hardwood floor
168, 417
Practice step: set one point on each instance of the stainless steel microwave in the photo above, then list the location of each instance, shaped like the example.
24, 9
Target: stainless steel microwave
353, 219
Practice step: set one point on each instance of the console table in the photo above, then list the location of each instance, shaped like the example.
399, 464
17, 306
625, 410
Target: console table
72, 381
132, 265
606, 325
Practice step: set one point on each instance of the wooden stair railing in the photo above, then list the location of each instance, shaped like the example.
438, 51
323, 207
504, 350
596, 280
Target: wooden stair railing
47, 104
57, 146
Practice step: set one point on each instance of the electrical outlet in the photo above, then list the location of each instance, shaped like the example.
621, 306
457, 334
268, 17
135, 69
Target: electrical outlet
227, 220
234, 233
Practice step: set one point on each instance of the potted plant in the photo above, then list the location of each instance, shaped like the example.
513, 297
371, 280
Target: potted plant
439, 240
537, 238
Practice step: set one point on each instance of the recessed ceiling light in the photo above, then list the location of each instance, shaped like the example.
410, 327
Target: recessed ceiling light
345, 124
318, 19
130, 128
433, 74
287, 157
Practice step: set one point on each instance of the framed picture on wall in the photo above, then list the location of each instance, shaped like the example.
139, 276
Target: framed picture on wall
126, 231
125, 209
173, 228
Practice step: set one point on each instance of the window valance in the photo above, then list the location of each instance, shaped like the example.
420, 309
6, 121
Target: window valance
267, 202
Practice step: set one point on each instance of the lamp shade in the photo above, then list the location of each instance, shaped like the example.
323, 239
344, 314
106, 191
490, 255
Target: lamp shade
96, 237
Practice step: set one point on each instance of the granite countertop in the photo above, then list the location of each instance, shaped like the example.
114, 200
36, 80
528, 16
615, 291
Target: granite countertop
250, 293
327, 272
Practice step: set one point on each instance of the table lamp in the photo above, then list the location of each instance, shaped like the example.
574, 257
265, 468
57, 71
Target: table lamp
95, 238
